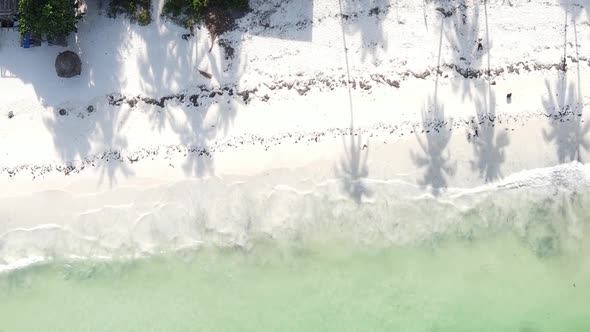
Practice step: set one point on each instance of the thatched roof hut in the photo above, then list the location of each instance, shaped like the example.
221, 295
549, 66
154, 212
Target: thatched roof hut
68, 64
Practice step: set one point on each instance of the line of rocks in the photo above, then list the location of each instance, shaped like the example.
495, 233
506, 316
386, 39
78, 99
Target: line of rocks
324, 82
193, 99
470, 73
579, 59
379, 131
321, 82
327, 83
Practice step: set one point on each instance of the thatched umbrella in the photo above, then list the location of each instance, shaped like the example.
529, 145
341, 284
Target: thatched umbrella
68, 64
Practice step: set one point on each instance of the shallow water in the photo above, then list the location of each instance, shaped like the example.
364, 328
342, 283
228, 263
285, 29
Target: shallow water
512, 256
492, 284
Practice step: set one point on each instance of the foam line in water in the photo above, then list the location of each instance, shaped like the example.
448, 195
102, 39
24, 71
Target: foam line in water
540, 206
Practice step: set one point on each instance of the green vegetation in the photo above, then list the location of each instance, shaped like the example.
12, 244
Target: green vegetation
48, 18
188, 12
184, 12
144, 16
139, 11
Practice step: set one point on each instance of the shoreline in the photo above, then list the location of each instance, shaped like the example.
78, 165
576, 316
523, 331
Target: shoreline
273, 124
145, 220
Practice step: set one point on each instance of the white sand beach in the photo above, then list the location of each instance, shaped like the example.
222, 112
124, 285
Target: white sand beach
271, 130
325, 165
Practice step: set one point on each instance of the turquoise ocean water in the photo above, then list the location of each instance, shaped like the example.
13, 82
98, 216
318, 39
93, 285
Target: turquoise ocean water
513, 260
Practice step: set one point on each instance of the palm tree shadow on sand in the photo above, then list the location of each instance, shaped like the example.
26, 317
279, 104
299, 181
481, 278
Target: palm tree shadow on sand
75, 140
567, 129
352, 169
433, 157
462, 32
208, 119
366, 17
434, 126
488, 146
564, 105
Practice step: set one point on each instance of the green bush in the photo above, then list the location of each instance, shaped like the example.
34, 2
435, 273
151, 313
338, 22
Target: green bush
136, 10
230, 4
143, 17
49, 18
189, 12
184, 12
